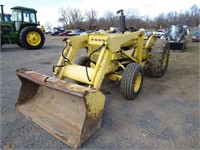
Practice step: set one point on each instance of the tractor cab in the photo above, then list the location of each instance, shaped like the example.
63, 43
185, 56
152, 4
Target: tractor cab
23, 16
22, 29
7, 17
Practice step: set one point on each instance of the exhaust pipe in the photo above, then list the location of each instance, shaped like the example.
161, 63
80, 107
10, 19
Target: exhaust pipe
2, 13
122, 21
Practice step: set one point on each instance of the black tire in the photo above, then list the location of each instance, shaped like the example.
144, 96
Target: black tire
19, 44
1, 41
82, 60
159, 58
184, 46
131, 82
31, 38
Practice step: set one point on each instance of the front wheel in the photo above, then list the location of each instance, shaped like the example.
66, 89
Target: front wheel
82, 61
131, 81
31, 38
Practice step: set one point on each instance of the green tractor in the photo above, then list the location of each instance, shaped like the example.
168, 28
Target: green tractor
22, 30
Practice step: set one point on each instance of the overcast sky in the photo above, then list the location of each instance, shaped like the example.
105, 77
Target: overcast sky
48, 9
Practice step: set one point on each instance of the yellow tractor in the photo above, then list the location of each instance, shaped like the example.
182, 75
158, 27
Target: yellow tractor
72, 111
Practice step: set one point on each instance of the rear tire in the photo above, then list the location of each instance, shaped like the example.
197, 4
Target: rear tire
31, 38
1, 41
131, 81
19, 44
159, 58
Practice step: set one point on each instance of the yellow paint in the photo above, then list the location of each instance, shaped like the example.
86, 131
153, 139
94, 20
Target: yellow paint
114, 51
77, 73
120, 40
138, 81
97, 39
95, 103
100, 68
138, 53
164, 61
61, 60
114, 77
150, 42
33, 38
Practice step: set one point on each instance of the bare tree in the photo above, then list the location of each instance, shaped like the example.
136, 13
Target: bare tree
111, 19
72, 16
77, 17
69, 16
131, 13
187, 18
64, 17
160, 21
172, 18
102, 23
91, 16
195, 14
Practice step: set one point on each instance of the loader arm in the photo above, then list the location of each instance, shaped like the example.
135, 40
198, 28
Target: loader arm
93, 76
108, 45
73, 44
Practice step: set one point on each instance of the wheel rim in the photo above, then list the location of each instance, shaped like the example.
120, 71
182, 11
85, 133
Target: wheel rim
137, 83
33, 38
164, 62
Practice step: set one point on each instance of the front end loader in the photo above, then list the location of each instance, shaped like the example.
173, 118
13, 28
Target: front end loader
177, 36
72, 111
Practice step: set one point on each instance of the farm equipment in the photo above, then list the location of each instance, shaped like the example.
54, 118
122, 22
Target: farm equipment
177, 37
72, 112
22, 30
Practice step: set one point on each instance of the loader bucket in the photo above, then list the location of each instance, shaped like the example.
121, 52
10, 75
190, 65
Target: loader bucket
70, 112
177, 46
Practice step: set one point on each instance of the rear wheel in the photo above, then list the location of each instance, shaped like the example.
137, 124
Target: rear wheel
19, 44
132, 80
159, 58
1, 41
31, 38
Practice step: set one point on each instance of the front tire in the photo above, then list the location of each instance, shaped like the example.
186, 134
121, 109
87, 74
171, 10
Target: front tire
131, 81
31, 38
82, 61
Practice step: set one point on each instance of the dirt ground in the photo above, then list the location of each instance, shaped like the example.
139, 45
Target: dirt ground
165, 115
